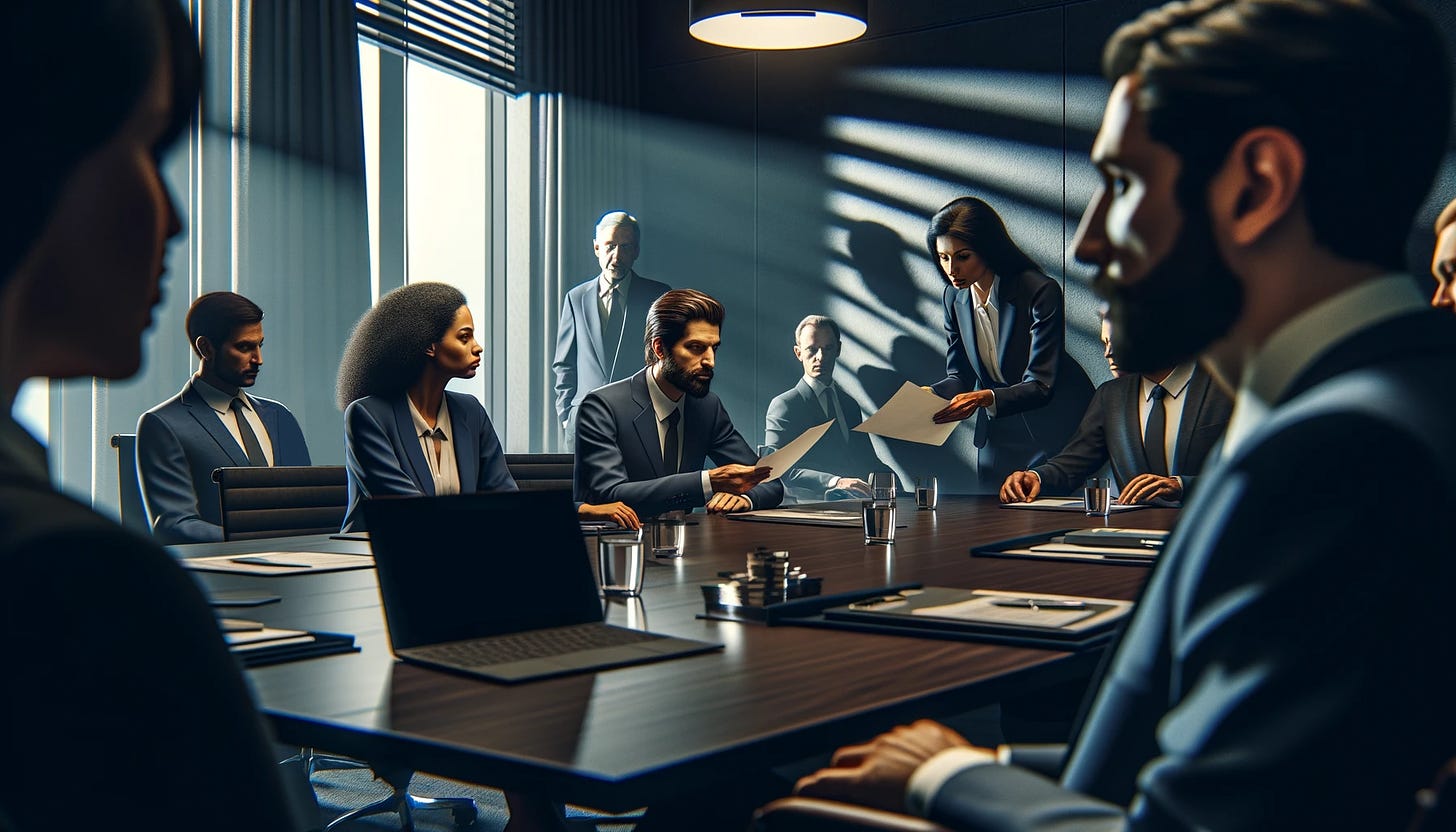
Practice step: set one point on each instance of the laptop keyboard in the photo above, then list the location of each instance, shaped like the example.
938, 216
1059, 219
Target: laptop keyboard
534, 644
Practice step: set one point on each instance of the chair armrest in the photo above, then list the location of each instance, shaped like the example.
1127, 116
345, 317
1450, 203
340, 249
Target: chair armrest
807, 814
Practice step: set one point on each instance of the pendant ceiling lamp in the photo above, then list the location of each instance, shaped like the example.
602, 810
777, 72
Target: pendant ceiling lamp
777, 24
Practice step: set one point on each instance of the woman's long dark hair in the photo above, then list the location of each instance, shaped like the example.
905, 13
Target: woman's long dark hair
386, 351
977, 224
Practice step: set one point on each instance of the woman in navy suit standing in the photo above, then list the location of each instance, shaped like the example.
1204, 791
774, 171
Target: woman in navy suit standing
404, 433
1005, 335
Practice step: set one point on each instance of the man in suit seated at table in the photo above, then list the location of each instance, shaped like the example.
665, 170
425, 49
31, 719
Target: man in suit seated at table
813, 401
643, 440
1443, 260
1155, 428
212, 423
601, 319
1288, 663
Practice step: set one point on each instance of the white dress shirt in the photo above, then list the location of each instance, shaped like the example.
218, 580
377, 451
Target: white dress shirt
222, 404
438, 448
1176, 384
988, 333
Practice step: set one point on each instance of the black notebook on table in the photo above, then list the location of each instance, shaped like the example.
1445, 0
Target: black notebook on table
499, 586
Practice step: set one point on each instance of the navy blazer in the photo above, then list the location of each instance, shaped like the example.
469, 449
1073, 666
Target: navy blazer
796, 410
180, 442
1288, 664
581, 364
382, 452
619, 457
1033, 361
1111, 432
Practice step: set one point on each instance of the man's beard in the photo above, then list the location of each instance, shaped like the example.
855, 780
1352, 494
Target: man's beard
1183, 304
674, 374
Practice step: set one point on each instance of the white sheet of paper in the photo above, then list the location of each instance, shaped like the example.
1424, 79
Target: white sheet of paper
907, 416
1064, 504
789, 455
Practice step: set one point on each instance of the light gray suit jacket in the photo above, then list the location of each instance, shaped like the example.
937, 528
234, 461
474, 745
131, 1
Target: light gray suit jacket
583, 363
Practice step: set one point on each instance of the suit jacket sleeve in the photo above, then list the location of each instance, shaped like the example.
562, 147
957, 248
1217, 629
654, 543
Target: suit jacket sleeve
370, 455
565, 363
125, 664
1085, 453
729, 446
494, 475
1044, 355
601, 472
960, 370
167, 488
780, 428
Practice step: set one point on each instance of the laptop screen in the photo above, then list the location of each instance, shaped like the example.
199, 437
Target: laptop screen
473, 565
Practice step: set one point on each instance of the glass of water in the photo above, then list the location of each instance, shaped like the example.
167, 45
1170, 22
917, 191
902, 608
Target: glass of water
1097, 496
620, 562
927, 492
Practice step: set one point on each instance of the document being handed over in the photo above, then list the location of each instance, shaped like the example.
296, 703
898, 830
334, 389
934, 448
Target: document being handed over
789, 455
907, 415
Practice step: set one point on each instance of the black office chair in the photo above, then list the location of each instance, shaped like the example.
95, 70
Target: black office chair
541, 472
128, 486
281, 500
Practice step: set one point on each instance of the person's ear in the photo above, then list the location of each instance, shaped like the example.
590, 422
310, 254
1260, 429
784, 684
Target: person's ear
657, 348
798, 354
430, 351
203, 347
1260, 184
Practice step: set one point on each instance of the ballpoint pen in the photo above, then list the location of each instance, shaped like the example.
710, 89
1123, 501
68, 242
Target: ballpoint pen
258, 561
1040, 603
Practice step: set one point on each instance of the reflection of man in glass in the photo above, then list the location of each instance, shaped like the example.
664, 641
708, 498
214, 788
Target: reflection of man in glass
1443, 261
600, 329
815, 400
1279, 669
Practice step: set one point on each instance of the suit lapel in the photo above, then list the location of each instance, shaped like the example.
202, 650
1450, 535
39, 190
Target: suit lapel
591, 312
205, 416
1008, 308
269, 417
645, 423
404, 425
1197, 393
1132, 411
467, 449
966, 323
695, 430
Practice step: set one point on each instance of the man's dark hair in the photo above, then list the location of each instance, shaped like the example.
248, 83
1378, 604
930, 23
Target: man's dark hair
1363, 85
216, 315
975, 223
67, 107
670, 314
386, 351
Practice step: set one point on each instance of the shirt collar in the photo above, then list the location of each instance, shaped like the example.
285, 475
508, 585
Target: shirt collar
217, 399
991, 297
604, 285
442, 420
661, 404
1175, 383
818, 386
1301, 340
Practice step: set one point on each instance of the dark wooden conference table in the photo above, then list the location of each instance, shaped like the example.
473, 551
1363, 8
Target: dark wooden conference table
618, 739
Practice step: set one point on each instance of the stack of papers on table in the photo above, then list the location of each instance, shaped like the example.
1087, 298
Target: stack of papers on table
1100, 544
280, 563
265, 646
1066, 504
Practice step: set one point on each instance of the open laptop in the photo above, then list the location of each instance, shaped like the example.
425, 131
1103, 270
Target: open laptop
499, 586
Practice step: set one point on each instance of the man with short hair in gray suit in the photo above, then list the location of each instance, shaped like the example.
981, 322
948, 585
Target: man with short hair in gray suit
1182, 407
212, 423
600, 332
840, 458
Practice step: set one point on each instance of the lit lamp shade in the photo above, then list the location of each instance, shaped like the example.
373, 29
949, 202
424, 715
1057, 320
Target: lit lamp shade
777, 24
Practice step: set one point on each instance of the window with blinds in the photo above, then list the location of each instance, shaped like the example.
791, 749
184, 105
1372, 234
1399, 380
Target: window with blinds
472, 38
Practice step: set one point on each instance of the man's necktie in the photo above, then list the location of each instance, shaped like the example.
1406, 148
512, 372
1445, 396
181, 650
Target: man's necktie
251, 447
670, 442
1155, 435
